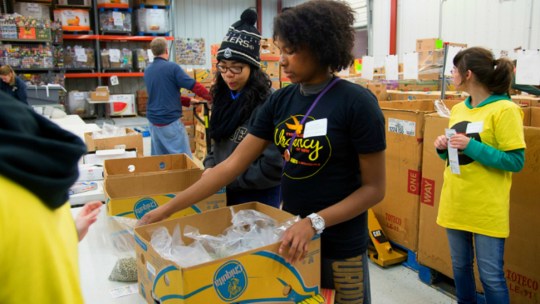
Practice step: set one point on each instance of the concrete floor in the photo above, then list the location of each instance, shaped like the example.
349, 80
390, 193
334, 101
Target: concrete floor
400, 285
391, 285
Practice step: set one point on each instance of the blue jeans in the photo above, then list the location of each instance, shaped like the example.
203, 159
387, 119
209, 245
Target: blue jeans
268, 196
170, 139
490, 259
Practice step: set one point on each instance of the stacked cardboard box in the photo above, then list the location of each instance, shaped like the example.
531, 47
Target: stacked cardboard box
398, 212
430, 57
142, 101
270, 61
418, 95
101, 149
379, 90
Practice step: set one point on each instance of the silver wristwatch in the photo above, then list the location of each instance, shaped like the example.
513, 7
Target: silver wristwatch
317, 222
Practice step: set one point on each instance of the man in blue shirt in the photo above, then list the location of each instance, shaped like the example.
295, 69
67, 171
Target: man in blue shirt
163, 80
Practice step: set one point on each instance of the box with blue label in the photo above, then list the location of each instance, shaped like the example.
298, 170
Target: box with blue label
134, 186
259, 275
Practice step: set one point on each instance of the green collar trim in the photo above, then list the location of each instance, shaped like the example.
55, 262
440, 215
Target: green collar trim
490, 99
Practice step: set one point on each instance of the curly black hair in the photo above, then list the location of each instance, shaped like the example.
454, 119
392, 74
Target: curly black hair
225, 114
323, 26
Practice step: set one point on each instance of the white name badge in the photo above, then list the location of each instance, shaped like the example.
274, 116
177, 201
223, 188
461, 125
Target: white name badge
475, 127
316, 128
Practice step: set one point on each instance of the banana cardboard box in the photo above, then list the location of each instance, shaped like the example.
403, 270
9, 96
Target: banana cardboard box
135, 186
258, 275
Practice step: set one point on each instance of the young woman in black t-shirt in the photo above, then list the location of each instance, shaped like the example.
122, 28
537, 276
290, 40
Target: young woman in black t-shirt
331, 135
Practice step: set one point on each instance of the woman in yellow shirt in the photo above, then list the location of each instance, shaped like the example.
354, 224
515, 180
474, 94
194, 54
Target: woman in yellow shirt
38, 237
474, 205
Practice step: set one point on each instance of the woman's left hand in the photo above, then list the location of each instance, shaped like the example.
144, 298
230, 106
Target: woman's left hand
294, 245
86, 217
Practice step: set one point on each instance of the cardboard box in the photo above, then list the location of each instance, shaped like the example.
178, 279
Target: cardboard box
422, 86
258, 275
122, 104
35, 10
137, 185
430, 58
148, 165
204, 75
398, 212
88, 172
535, 117
190, 130
526, 100
417, 95
73, 19
132, 140
153, 2
153, 20
430, 74
142, 101
269, 49
100, 94
521, 266
379, 90
430, 44
187, 116
100, 156
276, 84
271, 68
433, 248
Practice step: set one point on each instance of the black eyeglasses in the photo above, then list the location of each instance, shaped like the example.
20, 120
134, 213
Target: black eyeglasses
234, 69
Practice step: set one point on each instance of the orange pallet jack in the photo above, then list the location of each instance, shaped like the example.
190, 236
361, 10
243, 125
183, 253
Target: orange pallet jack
381, 251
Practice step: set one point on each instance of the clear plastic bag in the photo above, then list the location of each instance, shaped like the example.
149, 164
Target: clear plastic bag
108, 130
251, 229
174, 249
120, 240
441, 108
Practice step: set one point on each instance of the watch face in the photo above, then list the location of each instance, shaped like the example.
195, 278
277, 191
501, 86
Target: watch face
318, 223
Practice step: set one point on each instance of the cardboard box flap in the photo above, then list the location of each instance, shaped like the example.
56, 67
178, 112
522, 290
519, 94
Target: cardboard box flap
414, 105
152, 164
419, 105
150, 183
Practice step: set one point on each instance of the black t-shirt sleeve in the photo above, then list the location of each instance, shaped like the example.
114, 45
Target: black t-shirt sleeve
367, 131
262, 123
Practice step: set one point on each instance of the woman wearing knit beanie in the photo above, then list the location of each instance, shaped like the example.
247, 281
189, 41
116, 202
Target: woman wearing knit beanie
240, 88
332, 137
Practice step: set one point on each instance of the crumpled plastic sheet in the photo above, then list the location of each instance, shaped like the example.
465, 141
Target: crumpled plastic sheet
250, 229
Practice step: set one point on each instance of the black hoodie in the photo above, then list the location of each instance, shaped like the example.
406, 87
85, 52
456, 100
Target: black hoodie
36, 153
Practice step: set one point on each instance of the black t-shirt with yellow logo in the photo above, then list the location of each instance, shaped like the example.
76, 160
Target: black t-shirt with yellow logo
324, 167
